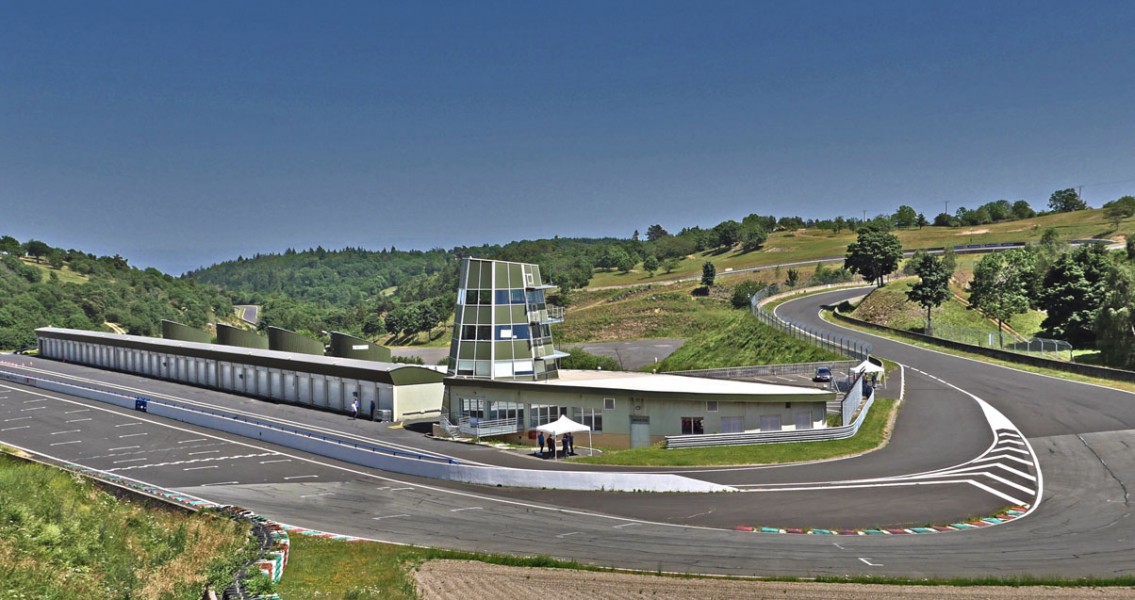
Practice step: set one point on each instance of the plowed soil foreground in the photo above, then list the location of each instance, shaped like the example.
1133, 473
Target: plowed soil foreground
464, 580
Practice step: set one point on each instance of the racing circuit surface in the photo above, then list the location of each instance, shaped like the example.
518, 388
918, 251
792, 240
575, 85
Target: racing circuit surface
964, 446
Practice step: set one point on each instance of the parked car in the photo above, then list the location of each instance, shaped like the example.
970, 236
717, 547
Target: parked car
822, 374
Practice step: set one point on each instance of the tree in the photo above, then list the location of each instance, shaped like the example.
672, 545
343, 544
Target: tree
708, 274
670, 264
944, 220
624, 263
873, 255
793, 278
1115, 323
655, 233
1000, 286
10, 245
949, 260
1066, 201
1117, 210
36, 249
650, 265
1022, 210
1130, 247
922, 222
933, 287
728, 233
905, 216
753, 236
1073, 292
743, 293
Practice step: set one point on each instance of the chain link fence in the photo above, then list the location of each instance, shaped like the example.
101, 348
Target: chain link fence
828, 340
988, 338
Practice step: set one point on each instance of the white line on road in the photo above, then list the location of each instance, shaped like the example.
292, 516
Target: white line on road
867, 561
838, 546
129, 424
264, 462
32, 408
220, 483
564, 535
317, 495
123, 448
132, 435
14, 428
195, 468
77, 411
194, 440
62, 443
401, 489
77, 420
389, 517
68, 431
35, 400
465, 509
300, 477
18, 419
126, 460
624, 525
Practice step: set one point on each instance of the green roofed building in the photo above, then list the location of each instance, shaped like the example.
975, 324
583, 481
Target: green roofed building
290, 341
172, 330
349, 346
227, 335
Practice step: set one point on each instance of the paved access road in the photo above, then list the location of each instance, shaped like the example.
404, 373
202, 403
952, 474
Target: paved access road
1082, 526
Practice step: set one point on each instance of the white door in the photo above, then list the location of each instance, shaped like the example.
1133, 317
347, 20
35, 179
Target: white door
803, 420
640, 432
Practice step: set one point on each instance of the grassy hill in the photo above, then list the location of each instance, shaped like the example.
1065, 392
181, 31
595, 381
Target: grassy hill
811, 244
81, 291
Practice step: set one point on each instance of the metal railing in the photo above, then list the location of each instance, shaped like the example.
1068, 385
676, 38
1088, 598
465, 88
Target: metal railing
488, 427
149, 401
759, 371
828, 340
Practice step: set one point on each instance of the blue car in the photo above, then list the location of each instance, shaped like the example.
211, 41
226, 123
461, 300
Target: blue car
822, 374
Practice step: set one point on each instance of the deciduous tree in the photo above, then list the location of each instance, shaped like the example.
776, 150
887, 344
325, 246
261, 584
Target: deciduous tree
1000, 286
873, 255
1073, 292
933, 287
1066, 201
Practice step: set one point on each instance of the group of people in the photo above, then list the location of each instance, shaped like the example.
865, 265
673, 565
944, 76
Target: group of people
355, 410
568, 444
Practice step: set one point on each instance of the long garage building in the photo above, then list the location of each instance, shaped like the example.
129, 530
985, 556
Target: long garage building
407, 392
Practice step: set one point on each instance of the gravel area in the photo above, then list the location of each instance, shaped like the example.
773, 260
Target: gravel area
469, 580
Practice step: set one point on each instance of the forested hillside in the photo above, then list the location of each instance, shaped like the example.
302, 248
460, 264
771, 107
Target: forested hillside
68, 288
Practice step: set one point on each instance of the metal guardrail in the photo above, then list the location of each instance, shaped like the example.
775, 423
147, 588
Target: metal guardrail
756, 371
143, 404
487, 427
773, 437
828, 340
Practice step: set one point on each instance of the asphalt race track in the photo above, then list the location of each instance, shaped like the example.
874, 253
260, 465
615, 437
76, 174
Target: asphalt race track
949, 459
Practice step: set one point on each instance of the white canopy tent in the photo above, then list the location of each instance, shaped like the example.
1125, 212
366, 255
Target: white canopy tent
868, 368
561, 426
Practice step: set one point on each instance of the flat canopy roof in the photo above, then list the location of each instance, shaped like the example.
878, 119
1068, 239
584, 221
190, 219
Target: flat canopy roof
393, 373
659, 384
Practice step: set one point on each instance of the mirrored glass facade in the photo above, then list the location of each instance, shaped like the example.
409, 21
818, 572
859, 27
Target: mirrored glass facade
502, 324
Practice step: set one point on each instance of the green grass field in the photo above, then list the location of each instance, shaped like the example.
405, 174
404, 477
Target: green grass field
65, 274
61, 537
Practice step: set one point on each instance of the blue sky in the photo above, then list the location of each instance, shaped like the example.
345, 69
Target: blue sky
179, 135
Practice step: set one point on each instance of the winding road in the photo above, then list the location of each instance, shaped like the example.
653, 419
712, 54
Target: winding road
970, 440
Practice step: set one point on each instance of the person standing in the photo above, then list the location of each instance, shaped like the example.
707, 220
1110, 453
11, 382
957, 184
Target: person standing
354, 409
567, 440
570, 443
372, 410
540, 440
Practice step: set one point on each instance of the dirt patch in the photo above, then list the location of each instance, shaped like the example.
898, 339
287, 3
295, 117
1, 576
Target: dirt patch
972, 232
466, 580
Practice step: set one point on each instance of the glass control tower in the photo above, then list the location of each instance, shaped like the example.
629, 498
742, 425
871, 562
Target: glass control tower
502, 324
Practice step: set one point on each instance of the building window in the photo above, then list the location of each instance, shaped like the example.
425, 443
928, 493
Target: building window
692, 426
588, 416
711, 406
608, 404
